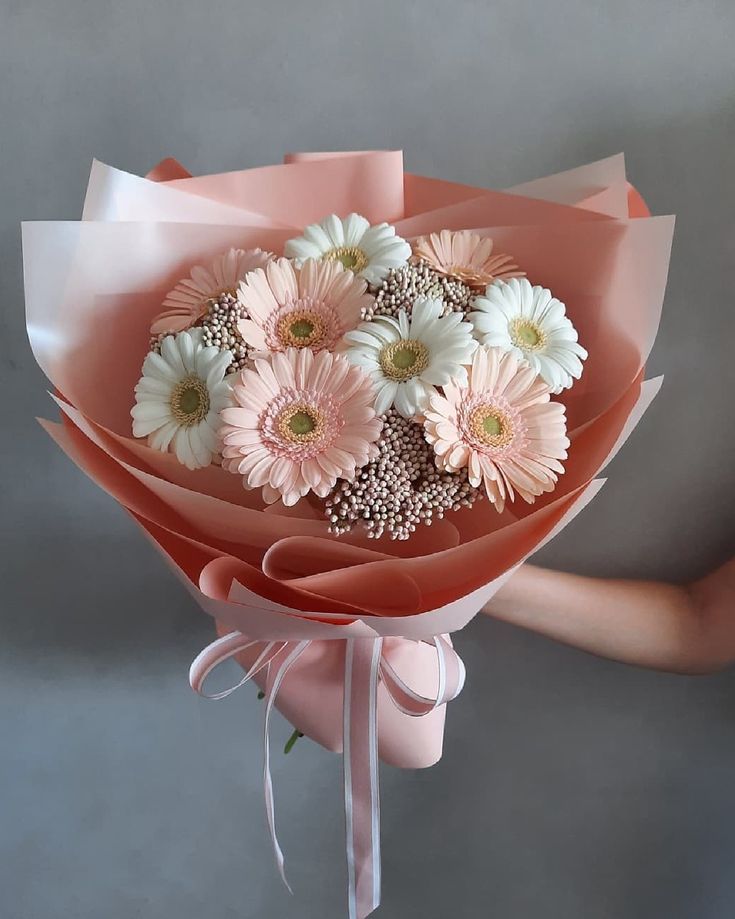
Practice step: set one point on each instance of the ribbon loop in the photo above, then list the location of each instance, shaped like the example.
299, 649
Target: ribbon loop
451, 672
222, 650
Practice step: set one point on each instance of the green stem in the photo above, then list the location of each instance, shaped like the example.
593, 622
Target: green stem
292, 740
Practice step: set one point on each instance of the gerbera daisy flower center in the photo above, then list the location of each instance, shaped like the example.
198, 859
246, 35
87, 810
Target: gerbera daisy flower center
301, 328
403, 359
352, 257
526, 335
301, 423
190, 401
491, 426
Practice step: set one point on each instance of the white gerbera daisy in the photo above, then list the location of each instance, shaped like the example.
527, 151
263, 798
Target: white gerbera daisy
408, 358
367, 251
532, 324
179, 397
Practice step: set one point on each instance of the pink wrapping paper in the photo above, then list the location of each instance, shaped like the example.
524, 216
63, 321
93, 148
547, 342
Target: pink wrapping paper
91, 288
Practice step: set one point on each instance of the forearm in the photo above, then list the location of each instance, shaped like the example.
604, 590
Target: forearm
682, 629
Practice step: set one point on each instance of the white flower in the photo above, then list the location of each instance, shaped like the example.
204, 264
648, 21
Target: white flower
532, 324
367, 251
179, 398
408, 358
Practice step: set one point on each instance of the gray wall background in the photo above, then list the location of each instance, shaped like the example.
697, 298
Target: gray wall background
570, 787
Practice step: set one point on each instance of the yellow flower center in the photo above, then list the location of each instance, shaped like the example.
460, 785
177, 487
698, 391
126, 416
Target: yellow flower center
527, 335
403, 359
352, 257
300, 423
190, 401
301, 328
490, 426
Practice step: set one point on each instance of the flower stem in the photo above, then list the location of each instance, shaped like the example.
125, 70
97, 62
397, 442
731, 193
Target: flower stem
292, 740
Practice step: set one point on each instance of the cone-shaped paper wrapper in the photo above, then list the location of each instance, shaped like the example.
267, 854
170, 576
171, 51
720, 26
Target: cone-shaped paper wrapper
273, 573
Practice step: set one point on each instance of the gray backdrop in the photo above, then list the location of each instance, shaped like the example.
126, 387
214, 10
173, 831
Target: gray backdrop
570, 787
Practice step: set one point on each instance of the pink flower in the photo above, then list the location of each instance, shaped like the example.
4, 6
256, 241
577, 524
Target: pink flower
501, 426
466, 256
302, 421
185, 305
308, 307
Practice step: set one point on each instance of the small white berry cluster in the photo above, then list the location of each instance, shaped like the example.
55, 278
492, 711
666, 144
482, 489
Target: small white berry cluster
400, 489
219, 328
402, 286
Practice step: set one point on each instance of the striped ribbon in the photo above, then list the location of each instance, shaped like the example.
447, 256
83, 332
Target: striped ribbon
365, 666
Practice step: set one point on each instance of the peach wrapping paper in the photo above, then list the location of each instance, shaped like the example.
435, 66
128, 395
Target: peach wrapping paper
92, 286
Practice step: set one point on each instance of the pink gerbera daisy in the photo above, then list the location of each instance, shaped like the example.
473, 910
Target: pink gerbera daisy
501, 426
302, 421
308, 307
185, 305
466, 256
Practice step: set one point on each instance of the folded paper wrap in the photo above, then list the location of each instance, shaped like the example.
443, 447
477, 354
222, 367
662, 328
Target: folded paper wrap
348, 637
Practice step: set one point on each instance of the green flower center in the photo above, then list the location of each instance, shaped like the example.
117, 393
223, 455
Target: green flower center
403, 359
490, 426
189, 401
302, 328
352, 257
301, 423
527, 335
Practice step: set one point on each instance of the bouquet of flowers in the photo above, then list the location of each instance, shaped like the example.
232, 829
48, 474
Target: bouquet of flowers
345, 402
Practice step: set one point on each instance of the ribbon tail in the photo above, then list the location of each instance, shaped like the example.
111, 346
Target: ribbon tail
361, 786
278, 668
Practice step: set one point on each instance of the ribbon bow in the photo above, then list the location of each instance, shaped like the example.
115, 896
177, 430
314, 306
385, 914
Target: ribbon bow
365, 665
